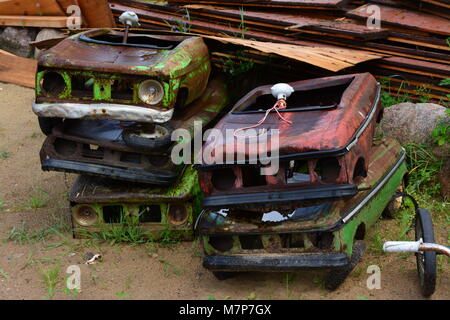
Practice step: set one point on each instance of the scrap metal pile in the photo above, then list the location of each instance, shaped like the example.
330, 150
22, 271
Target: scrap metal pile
300, 178
411, 38
108, 110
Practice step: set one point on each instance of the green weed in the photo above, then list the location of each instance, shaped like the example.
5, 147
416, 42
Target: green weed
50, 281
4, 154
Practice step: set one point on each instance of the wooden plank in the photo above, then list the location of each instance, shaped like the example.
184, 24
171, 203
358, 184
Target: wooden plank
17, 70
27, 7
97, 13
34, 21
64, 4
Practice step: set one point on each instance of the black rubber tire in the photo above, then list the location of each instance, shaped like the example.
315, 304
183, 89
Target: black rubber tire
337, 276
47, 124
223, 275
426, 261
133, 140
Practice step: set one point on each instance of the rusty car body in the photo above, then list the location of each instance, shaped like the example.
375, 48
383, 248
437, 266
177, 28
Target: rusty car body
97, 147
98, 204
310, 236
93, 75
322, 154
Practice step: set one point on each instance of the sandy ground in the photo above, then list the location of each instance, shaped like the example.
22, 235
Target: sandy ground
145, 272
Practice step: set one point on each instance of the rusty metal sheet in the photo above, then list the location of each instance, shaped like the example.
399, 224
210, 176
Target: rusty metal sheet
288, 21
99, 143
406, 18
73, 53
310, 4
383, 157
100, 190
312, 130
324, 56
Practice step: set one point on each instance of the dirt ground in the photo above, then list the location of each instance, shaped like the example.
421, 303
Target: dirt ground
144, 272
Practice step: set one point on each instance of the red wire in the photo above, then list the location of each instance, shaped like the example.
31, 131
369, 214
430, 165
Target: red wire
280, 104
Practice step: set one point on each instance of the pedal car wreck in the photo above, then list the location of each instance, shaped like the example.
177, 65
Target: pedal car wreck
328, 235
126, 150
95, 75
99, 203
325, 140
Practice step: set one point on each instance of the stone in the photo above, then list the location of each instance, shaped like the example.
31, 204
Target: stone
412, 122
17, 40
46, 34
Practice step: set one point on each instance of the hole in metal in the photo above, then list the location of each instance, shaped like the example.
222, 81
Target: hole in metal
150, 213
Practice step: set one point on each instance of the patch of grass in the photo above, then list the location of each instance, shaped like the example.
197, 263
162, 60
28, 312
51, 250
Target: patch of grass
362, 298
376, 245
127, 230
4, 154
183, 24
441, 133
35, 135
170, 268
21, 234
39, 199
390, 97
288, 279
242, 64
122, 294
4, 274
393, 95
251, 296
405, 218
50, 280
71, 292
423, 169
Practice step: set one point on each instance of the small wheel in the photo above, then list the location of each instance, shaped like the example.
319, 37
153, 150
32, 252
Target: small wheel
147, 137
426, 261
336, 277
47, 124
395, 203
223, 275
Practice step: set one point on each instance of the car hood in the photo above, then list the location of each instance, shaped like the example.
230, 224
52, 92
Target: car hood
187, 53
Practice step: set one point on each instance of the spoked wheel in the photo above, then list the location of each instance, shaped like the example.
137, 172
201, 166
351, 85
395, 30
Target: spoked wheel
426, 261
147, 137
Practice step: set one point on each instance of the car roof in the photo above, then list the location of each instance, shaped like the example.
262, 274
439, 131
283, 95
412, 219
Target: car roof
314, 130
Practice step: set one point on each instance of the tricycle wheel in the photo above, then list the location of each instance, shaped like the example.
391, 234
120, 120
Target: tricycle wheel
223, 275
147, 137
48, 123
426, 261
337, 276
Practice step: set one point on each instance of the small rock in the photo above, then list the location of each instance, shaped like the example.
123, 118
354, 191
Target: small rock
46, 34
444, 179
17, 40
412, 122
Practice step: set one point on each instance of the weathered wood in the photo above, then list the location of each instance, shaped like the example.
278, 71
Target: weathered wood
27, 7
97, 13
17, 70
34, 21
